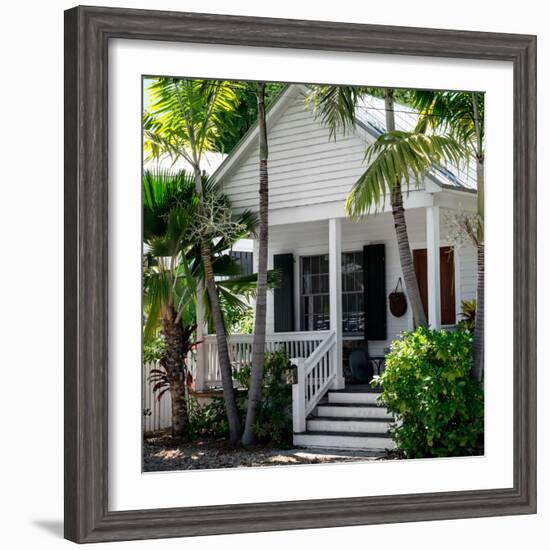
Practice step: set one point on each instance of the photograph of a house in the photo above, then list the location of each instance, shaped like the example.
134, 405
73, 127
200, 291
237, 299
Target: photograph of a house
312, 273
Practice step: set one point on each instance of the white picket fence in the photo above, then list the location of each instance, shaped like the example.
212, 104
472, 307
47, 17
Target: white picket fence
157, 414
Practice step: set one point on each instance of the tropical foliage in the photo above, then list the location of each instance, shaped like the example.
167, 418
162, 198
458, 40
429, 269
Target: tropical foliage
396, 157
234, 124
172, 269
428, 387
461, 115
468, 314
274, 420
183, 120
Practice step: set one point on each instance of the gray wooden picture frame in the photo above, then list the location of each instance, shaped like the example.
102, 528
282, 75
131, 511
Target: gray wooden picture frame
87, 34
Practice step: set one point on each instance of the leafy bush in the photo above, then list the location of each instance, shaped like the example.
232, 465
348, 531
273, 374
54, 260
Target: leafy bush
428, 387
242, 322
210, 420
468, 314
274, 420
274, 417
153, 349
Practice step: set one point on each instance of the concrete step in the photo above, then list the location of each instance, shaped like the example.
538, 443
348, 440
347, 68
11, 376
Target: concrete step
353, 425
343, 410
342, 440
353, 397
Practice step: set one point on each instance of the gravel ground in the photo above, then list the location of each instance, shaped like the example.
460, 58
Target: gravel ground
163, 453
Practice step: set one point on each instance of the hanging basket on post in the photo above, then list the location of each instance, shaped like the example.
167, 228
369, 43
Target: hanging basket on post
398, 300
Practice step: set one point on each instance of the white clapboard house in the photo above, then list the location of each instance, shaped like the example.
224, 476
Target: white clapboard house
337, 273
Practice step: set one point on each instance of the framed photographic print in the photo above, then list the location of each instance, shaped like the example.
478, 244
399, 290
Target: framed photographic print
300, 278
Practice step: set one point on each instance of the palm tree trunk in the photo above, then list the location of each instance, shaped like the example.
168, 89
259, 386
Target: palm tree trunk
221, 336
405, 256
258, 347
174, 365
223, 351
401, 233
479, 327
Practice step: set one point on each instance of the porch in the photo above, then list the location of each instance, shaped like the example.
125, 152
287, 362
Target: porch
321, 313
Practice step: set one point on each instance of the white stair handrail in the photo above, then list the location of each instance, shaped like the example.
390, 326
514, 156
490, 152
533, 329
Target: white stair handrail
314, 376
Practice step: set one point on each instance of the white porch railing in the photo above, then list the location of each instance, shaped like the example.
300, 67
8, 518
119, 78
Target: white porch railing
297, 344
313, 353
316, 374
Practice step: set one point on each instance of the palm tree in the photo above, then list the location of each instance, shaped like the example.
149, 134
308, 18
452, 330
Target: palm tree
395, 157
258, 349
172, 270
461, 115
182, 122
167, 212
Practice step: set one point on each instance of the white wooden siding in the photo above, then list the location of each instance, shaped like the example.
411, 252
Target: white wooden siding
468, 272
305, 166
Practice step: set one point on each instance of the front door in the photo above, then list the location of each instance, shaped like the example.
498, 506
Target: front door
447, 281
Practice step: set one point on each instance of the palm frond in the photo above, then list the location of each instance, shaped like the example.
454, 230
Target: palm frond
157, 295
183, 118
334, 106
448, 112
398, 156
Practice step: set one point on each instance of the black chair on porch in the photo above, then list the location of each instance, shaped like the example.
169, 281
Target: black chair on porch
361, 366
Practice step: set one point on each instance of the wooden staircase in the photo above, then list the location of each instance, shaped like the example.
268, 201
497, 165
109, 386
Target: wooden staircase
347, 419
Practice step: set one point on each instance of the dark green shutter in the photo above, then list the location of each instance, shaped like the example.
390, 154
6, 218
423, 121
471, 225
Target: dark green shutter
284, 296
374, 269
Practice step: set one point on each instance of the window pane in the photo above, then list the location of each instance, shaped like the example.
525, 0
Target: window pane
306, 284
314, 265
345, 322
315, 284
352, 292
359, 281
349, 282
324, 288
314, 288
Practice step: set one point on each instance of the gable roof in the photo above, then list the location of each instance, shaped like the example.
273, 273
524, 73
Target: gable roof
370, 118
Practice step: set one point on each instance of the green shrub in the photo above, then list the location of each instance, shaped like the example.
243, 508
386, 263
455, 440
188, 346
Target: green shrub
274, 420
210, 420
428, 387
468, 314
153, 349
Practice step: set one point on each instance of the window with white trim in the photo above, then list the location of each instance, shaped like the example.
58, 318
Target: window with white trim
315, 296
353, 312
314, 293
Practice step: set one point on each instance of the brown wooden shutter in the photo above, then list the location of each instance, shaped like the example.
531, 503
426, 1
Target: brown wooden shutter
447, 281
447, 269
420, 260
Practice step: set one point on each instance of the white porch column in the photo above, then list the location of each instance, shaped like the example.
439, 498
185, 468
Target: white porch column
335, 293
432, 245
200, 373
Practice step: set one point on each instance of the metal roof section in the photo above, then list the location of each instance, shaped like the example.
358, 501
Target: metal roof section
370, 114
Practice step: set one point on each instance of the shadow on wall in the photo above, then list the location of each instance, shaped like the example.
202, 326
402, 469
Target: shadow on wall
52, 526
